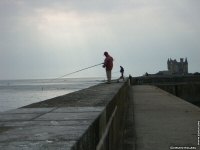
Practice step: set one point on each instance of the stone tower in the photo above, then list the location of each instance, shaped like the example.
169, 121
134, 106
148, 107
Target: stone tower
175, 67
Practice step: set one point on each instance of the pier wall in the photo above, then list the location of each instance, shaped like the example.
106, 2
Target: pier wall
185, 87
88, 119
106, 132
189, 92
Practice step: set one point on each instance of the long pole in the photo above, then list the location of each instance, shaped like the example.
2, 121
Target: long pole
79, 70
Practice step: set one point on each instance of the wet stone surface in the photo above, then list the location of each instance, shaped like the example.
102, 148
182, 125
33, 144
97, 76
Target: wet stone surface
52, 128
57, 123
38, 145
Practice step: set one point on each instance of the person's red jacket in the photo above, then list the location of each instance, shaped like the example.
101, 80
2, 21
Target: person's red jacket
108, 63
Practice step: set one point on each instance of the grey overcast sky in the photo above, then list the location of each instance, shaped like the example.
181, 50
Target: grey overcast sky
49, 38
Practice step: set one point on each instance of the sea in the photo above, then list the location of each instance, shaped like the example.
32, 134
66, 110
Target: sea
18, 93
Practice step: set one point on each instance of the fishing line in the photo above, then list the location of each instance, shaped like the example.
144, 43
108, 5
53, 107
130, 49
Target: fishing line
78, 71
73, 73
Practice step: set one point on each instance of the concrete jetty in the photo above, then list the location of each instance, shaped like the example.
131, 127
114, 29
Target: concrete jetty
113, 116
164, 121
84, 120
45, 128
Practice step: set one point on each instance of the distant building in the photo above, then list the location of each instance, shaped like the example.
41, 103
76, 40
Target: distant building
175, 67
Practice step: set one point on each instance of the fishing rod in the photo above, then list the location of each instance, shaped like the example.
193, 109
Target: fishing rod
74, 72
79, 70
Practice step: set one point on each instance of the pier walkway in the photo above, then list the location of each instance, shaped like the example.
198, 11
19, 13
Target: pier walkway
163, 121
113, 116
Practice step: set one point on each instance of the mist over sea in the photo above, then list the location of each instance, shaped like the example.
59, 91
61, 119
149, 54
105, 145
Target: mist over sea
18, 93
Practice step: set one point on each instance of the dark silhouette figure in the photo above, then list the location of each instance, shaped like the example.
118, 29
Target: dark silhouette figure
108, 65
122, 73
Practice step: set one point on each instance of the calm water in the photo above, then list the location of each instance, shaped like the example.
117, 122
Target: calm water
18, 93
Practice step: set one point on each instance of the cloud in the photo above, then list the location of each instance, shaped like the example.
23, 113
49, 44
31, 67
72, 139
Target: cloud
39, 37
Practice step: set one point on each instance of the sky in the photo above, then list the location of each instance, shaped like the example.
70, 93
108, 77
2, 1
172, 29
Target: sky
50, 38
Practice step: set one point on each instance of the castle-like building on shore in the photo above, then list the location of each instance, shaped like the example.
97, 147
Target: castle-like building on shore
175, 67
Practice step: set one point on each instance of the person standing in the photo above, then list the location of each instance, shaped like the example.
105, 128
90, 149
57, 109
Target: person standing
122, 73
108, 65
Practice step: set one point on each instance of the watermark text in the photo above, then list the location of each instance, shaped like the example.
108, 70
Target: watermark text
182, 147
198, 133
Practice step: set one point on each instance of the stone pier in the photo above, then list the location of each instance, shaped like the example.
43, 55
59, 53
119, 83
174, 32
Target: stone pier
113, 116
82, 120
